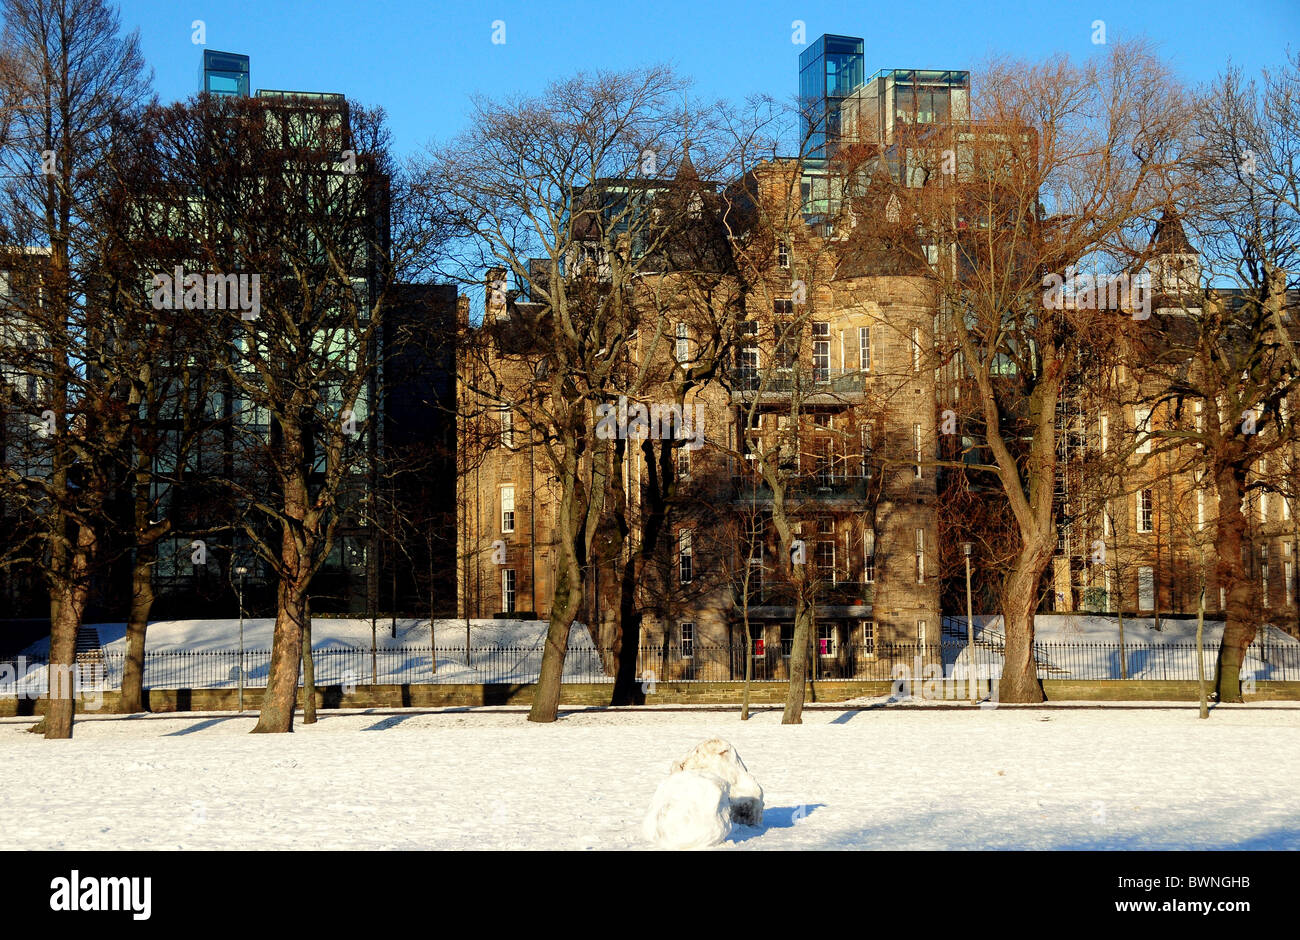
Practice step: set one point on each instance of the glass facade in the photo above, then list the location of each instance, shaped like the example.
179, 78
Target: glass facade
225, 73
829, 71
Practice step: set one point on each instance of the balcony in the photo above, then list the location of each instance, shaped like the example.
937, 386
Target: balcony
853, 597
819, 486
813, 385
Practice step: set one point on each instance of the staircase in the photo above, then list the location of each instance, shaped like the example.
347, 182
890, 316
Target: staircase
954, 628
90, 655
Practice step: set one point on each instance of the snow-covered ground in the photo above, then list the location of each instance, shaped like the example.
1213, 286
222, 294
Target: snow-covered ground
1113, 778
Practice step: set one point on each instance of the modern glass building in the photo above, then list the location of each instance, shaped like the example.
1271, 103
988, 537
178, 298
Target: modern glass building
224, 73
830, 70
895, 97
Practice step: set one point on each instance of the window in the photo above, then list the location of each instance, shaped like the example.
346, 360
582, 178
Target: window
826, 561
1223, 598
686, 633
1105, 433
1144, 500
787, 639
683, 463
748, 360
507, 425
682, 352
507, 509
825, 463
1142, 427
1146, 588
1263, 506
786, 352
821, 352
1263, 582
869, 560
754, 536
757, 648
685, 566
916, 349
1288, 576
916, 448
783, 306
920, 556
1200, 508
782, 254
869, 637
921, 632
864, 348
826, 640
508, 590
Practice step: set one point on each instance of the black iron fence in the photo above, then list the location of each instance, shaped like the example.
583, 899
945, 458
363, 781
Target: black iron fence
692, 662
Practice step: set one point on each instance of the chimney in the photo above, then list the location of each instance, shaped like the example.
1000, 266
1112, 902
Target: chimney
495, 302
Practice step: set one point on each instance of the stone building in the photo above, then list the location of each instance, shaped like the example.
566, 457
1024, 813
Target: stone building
823, 366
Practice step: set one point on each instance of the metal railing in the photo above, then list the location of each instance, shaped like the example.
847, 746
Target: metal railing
769, 593
692, 662
777, 380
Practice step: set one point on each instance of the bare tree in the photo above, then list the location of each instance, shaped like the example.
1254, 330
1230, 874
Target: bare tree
559, 193
67, 73
1059, 165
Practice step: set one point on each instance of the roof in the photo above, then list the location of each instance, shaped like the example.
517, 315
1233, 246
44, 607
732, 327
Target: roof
1169, 236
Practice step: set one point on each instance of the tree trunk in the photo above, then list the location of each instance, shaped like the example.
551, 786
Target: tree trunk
1123, 655
281, 695
63, 662
1239, 625
131, 700
1200, 652
546, 700
308, 669
802, 645
1019, 683
749, 651
68, 612
564, 608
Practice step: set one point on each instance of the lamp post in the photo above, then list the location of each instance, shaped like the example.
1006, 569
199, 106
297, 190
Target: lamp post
241, 571
970, 629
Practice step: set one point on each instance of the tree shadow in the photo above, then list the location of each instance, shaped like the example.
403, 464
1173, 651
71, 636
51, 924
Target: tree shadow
203, 725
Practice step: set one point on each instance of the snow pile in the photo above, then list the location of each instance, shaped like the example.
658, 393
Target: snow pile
1087, 646
716, 756
690, 810
706, 791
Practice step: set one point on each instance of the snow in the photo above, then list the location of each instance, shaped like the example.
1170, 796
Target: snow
691, 809
717, 757
887, 777
205, 653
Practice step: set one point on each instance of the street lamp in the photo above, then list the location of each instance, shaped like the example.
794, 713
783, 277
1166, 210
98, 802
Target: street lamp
241, 571
970, 629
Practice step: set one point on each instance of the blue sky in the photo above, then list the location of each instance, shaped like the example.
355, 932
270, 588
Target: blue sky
422, 59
